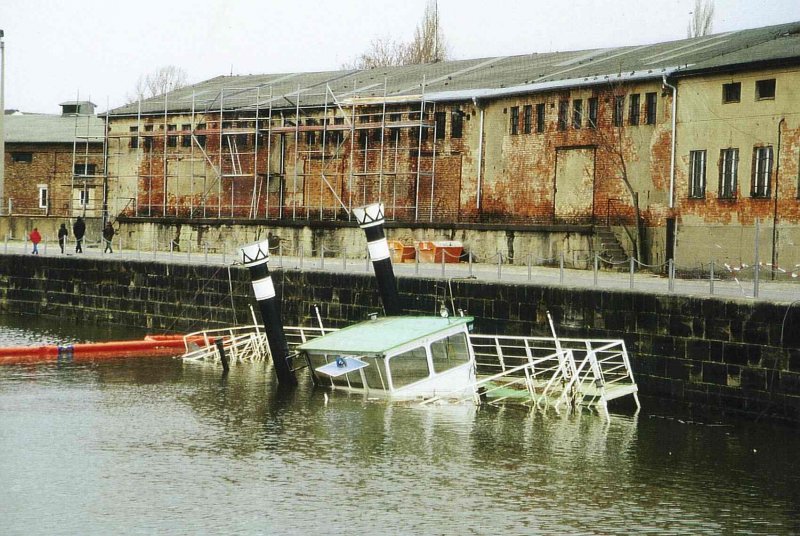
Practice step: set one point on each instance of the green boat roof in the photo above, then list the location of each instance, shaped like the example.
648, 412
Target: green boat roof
381, 335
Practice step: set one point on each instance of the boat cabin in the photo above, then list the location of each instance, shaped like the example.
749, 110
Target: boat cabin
398, 357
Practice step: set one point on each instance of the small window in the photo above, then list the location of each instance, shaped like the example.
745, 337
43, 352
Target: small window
201, 138
22, 158
540, 117
728, 173
186, 139
85, 170
577, 113
765, 89
172, 140
148, 141
456, 124
409, 367
762, 172
134, 142
697, 174
731, 92
650, 105
592, 123
83, 197
42, 196
619, 110
311, 134
514, 120
439, 119
450, 352
633, 113
563, 111
527, 119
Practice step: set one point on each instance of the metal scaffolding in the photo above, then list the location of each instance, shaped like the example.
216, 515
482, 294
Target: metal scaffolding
251, 153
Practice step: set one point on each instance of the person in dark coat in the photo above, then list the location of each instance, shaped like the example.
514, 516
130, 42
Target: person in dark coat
79, 229
108, 236
62, 236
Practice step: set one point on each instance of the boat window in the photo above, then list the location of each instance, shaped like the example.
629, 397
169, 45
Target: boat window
450, 352
375, 373
409, 367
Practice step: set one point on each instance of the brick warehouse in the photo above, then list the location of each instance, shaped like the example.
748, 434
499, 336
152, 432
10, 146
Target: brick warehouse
679, 148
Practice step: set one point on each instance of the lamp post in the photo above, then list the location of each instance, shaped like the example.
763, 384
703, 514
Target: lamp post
2, 123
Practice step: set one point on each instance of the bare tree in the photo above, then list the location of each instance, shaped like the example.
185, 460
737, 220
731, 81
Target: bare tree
166, 79
702, 18
428, 46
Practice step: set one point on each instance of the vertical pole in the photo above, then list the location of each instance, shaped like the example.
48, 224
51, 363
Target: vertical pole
444, 254
344, 258
469, 256
301, 256
416, 259
370, 218
711, 279
499, 266
529, 266
631, 262
322, 255
561, 268
671, 278
256, 258
2, 123
595, 268
756, 263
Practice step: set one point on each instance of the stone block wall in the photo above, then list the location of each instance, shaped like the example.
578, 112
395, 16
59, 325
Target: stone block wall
732, 355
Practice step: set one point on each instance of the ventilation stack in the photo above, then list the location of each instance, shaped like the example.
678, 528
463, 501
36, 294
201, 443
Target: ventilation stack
370, 218
256, 258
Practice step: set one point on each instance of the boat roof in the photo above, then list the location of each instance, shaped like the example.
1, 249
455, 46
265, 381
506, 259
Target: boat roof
381, 335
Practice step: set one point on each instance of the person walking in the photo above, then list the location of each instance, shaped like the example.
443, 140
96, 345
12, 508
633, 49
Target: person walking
108, 236
35, 239
79, 229
62, 236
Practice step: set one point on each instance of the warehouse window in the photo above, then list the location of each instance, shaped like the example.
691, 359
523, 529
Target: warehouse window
186, 139
619, 110
514, 120
527, 119
762, 172
311, 133
592, 123
22, 158
456, 123
134, 142
697, 174
540, 117
633, 113
765, 89
201, 138
731, 92
728, 173
577, 113
42, 196
440, 118
172, 140
650, 104
563, 111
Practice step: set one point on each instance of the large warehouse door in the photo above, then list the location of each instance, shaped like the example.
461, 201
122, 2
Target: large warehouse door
574, 196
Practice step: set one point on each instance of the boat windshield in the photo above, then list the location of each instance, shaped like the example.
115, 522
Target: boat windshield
450, 352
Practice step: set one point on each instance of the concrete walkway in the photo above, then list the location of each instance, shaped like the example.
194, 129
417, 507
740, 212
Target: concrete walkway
784, 288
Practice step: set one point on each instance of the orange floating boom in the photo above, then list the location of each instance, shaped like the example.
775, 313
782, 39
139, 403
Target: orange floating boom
151, 346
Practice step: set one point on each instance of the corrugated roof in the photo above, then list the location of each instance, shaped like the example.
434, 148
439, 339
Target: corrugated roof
484, 77
43, 128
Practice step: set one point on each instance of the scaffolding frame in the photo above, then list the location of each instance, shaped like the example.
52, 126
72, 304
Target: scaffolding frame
317, 162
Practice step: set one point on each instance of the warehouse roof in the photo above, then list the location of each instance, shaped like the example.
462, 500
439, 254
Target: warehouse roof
50, 128
485, 77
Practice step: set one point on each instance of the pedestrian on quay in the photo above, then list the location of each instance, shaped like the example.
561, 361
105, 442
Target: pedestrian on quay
108, 236
62, 236
35, 239
79, 229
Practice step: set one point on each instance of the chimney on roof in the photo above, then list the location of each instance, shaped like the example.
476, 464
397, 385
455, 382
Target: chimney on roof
77, 108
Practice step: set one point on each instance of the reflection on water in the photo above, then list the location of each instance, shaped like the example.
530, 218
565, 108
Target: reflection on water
156, 446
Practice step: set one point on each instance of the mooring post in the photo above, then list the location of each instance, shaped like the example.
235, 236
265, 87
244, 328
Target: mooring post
370, 218
223, 357
256, 258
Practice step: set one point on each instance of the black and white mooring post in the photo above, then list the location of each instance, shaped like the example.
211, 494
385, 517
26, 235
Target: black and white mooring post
370, 218
256, 257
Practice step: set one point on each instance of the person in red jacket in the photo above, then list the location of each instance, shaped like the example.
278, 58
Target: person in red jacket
35, 239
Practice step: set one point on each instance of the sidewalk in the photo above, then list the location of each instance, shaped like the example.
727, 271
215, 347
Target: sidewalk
785, 288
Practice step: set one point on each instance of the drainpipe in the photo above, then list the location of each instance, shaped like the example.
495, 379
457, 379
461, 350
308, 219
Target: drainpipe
480, 154
256, 257
775, 206
370, 218
674, 137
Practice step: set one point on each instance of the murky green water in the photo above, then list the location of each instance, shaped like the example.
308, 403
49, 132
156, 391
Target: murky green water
153, 446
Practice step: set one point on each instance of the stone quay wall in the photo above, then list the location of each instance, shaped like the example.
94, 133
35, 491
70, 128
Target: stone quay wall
728, 355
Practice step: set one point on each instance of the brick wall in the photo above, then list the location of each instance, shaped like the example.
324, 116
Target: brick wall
705, 352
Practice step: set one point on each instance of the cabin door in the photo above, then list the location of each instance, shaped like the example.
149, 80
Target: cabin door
574, 184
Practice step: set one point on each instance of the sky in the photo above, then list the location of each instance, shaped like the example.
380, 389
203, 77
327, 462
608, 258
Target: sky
58, 51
